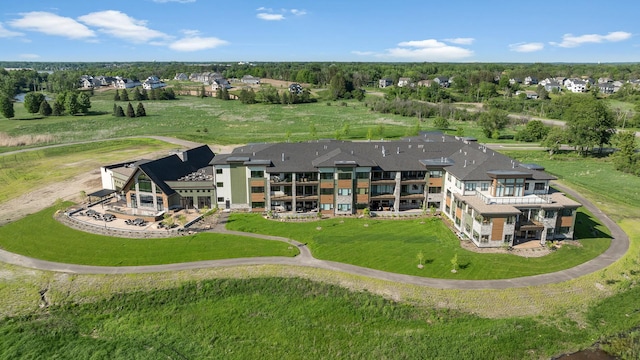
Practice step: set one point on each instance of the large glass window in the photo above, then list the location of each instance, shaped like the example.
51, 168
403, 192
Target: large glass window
362, 175
326, 191
344, 207
344, 176
257, 189
146, 201
344, 192
144, 184
538, 186
326, 176
257, 173
469, 186
363, 191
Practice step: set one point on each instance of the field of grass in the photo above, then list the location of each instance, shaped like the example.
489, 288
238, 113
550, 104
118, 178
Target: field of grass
214, 121
22, 172
40, 236
393, 245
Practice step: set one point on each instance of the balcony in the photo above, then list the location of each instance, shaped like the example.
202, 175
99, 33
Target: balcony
514, 200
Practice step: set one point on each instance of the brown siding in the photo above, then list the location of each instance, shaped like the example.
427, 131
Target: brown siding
257, 197
435, 181
326, 184
363, 183
566, 221
326, 199
362, 198
345, 183
497, 228
459, 213
447, 200
257, 183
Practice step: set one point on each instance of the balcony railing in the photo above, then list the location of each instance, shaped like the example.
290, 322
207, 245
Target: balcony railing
514, 200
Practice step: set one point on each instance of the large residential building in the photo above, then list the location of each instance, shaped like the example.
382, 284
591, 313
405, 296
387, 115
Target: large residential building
491, 199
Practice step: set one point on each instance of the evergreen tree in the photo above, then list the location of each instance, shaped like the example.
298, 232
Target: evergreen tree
140, 112
625, 158
202, 92
71, 104
116, 97
137, 96
170, 94
84, 102
125, 95
130, 112
6, 107
45, 108
144, 95
119, 111
58, 109
32, 102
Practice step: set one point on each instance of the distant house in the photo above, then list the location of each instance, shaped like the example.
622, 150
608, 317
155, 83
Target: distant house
384, 82
425, 82
443, 81
104, 80
551, 86
181, 77
86, 82
295, 88
602, 80
250, 80
575, 85
206, 78
530, 80
152, 82
606, 88
220, 83
514, 81
124, 83
404, 81
528, 94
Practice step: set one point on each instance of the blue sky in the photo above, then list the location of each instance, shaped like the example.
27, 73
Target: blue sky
320, 30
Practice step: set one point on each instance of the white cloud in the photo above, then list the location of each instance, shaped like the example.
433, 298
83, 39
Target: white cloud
29, 56
6, 33
427, 50
52, 24
362, 53
178, 1
569, 40
270, 17
461, 41
526, 47
121, 25
298, 12
194, 42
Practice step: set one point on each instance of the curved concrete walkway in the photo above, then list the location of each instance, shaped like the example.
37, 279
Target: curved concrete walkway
619, 246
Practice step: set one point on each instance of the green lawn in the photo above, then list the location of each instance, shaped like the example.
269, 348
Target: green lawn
393, 245
40, 236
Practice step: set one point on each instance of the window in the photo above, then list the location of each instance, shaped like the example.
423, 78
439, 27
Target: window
469, 186
326, 206
567, 212
344, 207
326, 176
144, 184
484, 186
510, 219
526, 187
469, 210
344, 176
565, 229
218, 171
550, 232
362, 175
458, 185
538, 186
475, 235
220, 199
508, 238
435, 190
219, 184
435, 173
257, 205
257, 189
344, 192
449, 177
326, 191
484, 239
257, 173
549, 214
363, 191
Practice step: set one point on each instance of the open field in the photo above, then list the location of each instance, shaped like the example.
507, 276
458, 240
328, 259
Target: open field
23, 172
393, 245
42, 237
210, 120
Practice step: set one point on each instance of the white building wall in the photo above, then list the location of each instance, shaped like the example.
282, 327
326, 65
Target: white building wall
225, 178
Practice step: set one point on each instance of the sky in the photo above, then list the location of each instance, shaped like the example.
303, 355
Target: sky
320, 30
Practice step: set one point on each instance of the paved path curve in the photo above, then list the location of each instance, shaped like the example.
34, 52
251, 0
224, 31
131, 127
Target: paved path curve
619, 246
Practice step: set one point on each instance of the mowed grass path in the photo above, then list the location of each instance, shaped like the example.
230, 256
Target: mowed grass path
24, 172
40, 236
393, 245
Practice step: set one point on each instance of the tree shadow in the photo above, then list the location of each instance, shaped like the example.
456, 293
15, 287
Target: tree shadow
464, 266
587, 228
428, 261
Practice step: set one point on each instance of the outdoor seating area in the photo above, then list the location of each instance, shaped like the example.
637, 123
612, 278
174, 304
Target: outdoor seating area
98, 216
135, 222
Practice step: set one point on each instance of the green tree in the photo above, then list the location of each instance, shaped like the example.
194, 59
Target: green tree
554, 139
71, 104
590, 124
45, 108
119, 111
454, 263
140, 111
6, 107
626, 158
543, 94
130, 112
493, 121
136, 95
440, 123
337, 87
202, 93
116, 96
84, 102
535, 130
224, 94
32, 102
124, 96
58, 108
144, 95
247, 96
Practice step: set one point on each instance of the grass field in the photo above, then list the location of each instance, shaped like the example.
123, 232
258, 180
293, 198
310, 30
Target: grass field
214, 121
393, 245
40, 236
22, 172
